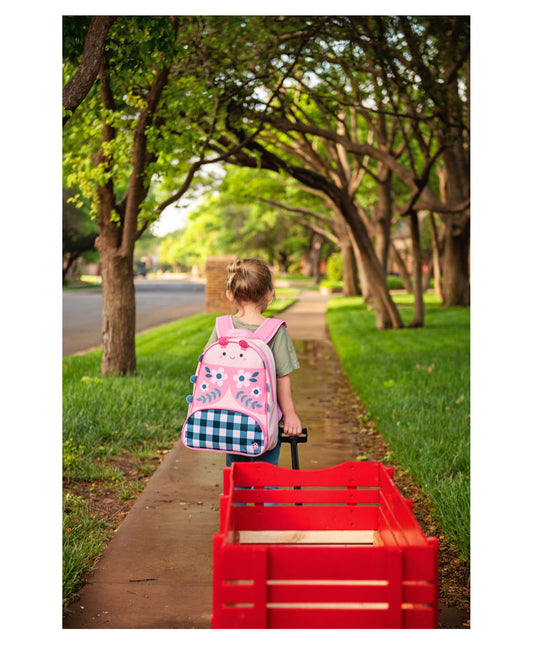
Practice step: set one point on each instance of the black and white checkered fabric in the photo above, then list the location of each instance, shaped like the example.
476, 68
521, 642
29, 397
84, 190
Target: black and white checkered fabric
224, 430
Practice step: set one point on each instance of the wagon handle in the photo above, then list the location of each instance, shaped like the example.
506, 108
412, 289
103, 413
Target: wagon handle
294, 441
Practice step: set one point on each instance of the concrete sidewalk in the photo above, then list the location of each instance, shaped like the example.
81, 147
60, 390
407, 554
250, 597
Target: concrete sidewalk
156, 571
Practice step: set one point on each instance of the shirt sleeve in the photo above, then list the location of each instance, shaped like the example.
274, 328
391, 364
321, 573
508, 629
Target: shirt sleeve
212, 338
284, 353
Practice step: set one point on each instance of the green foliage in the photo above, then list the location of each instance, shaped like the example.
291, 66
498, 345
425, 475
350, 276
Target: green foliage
236, 220
79, 230
416, 385
137, 47
334, 267
214, 62
223, 70
394, 282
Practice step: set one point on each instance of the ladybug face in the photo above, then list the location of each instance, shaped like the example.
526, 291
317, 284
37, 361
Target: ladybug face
227, 353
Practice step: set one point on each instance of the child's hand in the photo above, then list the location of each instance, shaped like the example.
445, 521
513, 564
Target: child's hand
292, 425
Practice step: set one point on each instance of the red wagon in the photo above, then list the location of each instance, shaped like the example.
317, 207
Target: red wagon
325, 548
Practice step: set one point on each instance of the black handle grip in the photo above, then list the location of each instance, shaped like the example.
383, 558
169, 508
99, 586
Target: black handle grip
293, 438
294, 441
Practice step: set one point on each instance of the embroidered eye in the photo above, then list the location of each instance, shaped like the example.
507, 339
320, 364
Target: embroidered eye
224, 354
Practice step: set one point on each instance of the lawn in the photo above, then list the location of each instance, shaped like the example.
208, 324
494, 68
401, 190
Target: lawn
415, 383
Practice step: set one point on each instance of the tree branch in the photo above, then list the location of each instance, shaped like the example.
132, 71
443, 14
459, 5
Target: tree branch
430, 202
79, 85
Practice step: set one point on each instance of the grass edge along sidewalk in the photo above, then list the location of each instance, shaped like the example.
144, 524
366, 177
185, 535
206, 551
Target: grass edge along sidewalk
415, 385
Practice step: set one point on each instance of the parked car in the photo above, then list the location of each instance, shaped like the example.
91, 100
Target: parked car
139, 268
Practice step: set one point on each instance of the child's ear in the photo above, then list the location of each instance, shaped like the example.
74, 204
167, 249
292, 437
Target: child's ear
230, 296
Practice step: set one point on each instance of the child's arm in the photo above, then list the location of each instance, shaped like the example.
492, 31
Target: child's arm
291, 422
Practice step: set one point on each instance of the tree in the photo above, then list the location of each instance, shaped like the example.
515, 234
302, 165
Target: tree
315, 212
422, 64
164, 87
402, 77
324, 100
320, 172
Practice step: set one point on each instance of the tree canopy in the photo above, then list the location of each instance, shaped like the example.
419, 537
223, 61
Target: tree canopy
367, 113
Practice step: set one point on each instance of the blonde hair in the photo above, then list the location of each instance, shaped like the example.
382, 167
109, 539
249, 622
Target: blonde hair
249, 279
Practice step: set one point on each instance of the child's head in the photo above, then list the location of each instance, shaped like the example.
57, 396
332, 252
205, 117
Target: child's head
249, 281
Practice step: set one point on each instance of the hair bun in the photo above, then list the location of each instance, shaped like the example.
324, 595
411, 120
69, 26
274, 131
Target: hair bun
236, 266
237, 269
249, 279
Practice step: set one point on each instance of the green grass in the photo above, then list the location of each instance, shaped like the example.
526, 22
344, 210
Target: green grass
83, 537
106, 415
415, 383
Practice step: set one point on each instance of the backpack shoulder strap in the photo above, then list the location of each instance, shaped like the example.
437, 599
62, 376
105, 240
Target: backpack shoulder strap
223, 325
268, 329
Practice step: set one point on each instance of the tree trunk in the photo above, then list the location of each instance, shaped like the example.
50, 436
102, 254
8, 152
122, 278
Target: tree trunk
118, 291
455, 183
387, 313
426, 278
418, 316
116, 241
456, 284
361, 271
436, 256
118, 323
69, 266
315, 256
349, 265
383, 215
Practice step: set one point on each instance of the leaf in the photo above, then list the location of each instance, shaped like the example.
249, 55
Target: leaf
91, 380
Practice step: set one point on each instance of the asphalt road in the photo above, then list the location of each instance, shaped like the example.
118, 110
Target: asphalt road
157, 302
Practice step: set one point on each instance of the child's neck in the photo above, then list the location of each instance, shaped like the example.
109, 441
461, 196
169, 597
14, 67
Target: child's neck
250, 313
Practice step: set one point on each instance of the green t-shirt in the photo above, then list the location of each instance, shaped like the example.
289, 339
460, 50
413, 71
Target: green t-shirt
281, 345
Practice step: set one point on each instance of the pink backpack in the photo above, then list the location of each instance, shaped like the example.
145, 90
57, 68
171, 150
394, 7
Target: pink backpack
234, 407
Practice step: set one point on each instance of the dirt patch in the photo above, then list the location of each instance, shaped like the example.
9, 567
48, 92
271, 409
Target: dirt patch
111, 501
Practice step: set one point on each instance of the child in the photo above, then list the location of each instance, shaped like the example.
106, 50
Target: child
250, 289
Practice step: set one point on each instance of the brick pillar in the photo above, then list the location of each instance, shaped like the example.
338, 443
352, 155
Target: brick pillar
215, 286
